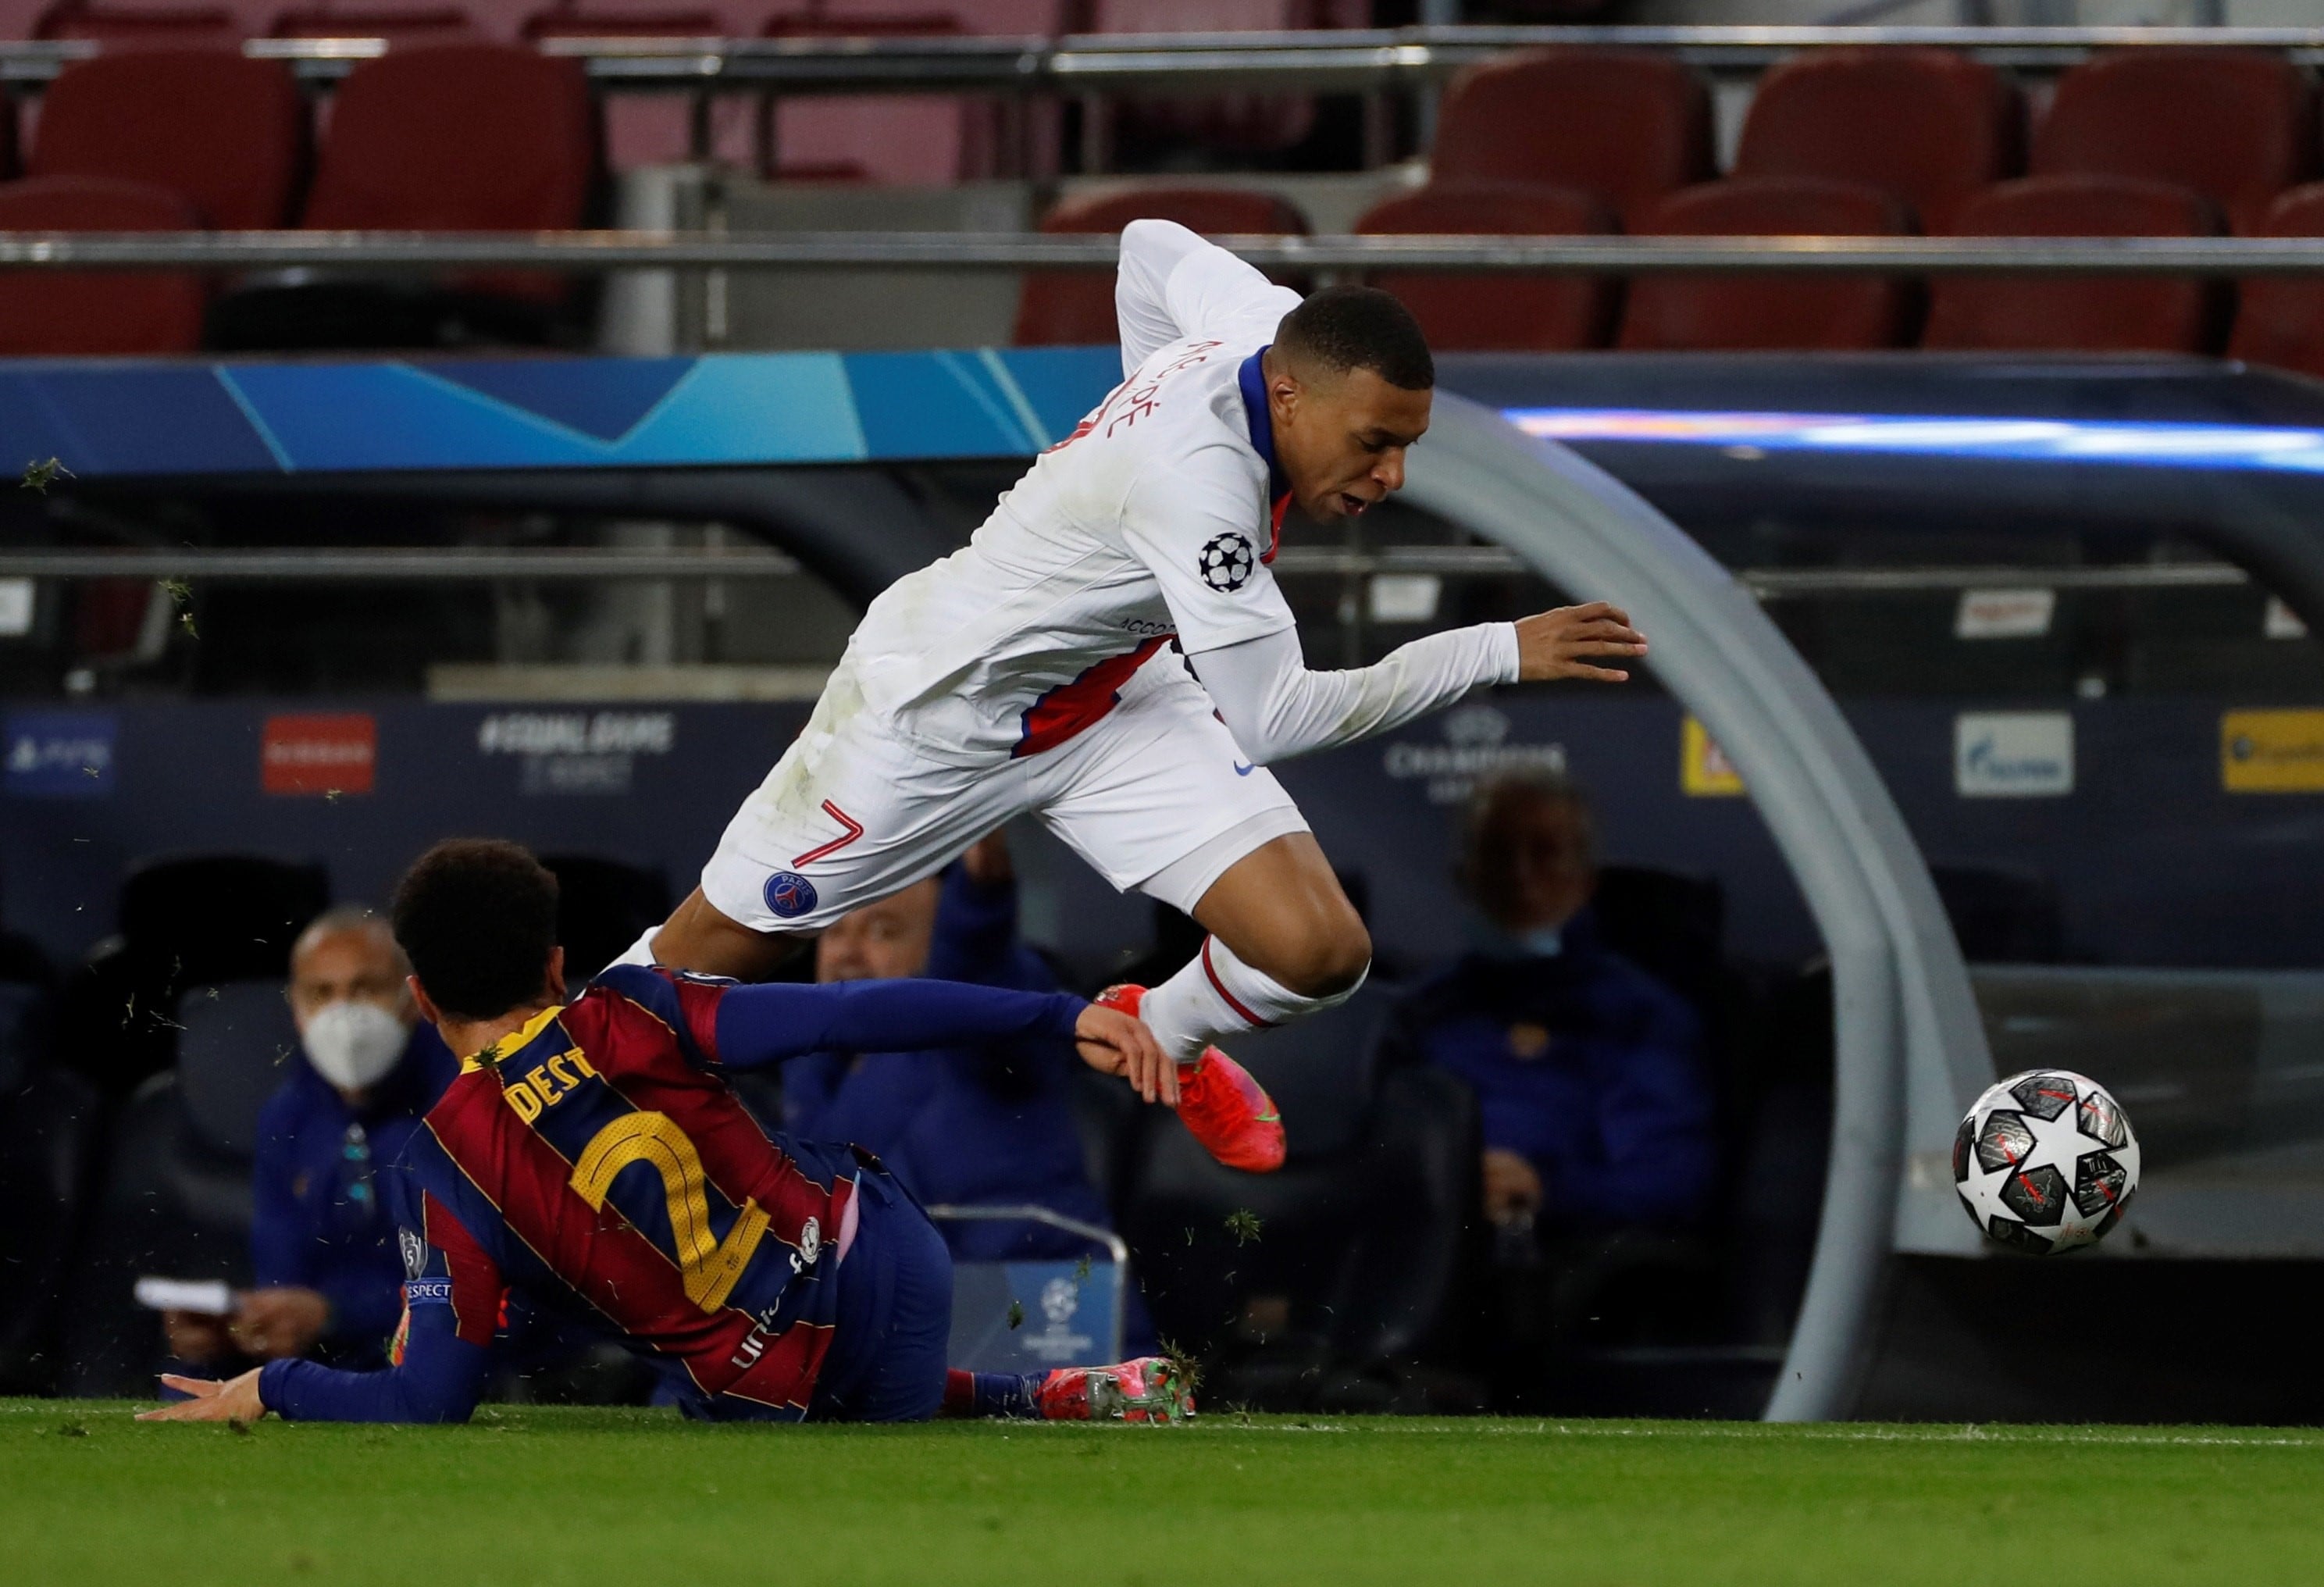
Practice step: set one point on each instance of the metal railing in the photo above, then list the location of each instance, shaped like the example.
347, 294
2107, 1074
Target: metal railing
596, 252
1321, 61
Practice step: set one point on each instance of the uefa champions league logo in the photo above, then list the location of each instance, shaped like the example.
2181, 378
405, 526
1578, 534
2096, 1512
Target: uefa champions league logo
1226, 562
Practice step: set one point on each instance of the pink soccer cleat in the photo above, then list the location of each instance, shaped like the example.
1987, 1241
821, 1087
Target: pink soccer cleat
1150, 1389
1220, 1103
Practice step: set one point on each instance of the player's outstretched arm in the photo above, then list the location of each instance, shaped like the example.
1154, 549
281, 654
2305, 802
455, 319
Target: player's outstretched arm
759, 1025
438, 1379
1276, 708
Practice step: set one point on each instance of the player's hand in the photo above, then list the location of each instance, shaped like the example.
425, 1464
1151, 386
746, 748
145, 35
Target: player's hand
1112, 1043
282, 1322
233, 1400
1551, 643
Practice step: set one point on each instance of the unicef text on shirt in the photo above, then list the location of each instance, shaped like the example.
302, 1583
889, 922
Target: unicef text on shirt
577, 732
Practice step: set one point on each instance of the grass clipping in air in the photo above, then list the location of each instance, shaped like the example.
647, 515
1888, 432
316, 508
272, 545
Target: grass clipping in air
540, 1495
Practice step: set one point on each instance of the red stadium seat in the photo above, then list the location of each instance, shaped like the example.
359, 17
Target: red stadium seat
402, 26
227, 133
170, 27
2237, 127
1625, 126
2086, 314
107, 312
1674, 313
2280, 319
1465, 312
1068, 307
1245, 124
1929, 125
406, 130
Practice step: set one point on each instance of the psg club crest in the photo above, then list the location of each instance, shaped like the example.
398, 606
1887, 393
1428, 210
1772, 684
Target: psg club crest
1225, 562
789, 895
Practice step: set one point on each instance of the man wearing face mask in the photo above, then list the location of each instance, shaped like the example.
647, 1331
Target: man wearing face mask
1589, 1075
328, 1277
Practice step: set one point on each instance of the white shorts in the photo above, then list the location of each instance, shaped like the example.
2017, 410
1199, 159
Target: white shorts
1155, 795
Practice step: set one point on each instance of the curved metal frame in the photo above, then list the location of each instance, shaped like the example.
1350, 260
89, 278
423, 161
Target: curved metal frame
1904, 1015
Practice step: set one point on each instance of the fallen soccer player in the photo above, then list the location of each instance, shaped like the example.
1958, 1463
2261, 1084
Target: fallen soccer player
592, 1156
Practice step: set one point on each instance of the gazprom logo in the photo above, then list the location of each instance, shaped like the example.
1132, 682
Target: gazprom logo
2013, 754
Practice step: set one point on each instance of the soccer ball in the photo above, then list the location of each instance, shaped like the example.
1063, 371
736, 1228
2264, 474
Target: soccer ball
2045, 1162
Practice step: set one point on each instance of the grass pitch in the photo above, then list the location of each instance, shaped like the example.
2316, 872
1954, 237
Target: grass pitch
524, 1495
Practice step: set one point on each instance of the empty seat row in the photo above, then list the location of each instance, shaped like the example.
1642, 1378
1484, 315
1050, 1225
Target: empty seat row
190, 139
2278, 321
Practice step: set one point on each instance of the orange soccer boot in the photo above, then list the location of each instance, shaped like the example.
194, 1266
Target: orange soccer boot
1150, 1389
1220, 1103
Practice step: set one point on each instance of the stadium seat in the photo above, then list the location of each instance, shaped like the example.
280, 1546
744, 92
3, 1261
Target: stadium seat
1066, 307
1931, 126
1235, 124
406, 128
195, 921
226, 133
2237, 127
641, 129
2091, 314
602, 907
1485, 312
48, 1128
1625, 126
175, 1198
1731, 313
400, 152
402, 27
118, 27
2280, 319
47, 314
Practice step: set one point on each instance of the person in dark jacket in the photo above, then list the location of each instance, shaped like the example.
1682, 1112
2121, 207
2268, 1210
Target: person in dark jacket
328, 1281
1590, 1074
985, 1125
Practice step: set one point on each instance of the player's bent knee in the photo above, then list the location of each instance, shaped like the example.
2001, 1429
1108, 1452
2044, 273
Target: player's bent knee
1330, 961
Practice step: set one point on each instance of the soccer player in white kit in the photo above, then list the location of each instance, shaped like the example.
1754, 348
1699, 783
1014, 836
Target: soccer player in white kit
1035, 670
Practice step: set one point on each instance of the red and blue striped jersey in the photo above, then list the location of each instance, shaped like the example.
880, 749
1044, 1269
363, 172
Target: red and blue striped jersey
597, 1159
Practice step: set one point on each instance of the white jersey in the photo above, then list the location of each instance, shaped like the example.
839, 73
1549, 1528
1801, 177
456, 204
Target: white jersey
1157, 518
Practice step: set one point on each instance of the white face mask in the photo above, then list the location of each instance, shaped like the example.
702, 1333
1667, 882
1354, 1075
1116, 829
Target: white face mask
352, 1043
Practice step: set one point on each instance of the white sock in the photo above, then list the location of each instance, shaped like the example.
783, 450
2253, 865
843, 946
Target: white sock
1217, 994
640, 952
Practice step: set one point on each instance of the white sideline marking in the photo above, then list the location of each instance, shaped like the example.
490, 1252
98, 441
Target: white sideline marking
1973, 1432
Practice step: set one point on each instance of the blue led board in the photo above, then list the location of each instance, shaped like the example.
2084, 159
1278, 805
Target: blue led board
128, 418
2114, 443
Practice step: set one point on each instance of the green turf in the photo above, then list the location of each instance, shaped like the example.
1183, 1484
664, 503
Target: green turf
90, 1497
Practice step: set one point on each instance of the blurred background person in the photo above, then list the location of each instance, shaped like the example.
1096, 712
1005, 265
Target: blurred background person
327, 1276
1593, 1092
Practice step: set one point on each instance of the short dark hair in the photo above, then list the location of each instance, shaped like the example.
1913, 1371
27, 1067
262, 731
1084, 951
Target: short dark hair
478, 918
1360, 328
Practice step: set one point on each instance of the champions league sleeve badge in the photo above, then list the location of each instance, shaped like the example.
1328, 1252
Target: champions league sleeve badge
1225, 562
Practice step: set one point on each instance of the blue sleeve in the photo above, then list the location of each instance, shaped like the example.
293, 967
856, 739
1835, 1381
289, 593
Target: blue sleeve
759, 1025
1653, 1117
277, 1247
452, 1303
976, 937
438, 1379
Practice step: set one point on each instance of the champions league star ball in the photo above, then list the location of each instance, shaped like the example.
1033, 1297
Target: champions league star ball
2045, 1162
